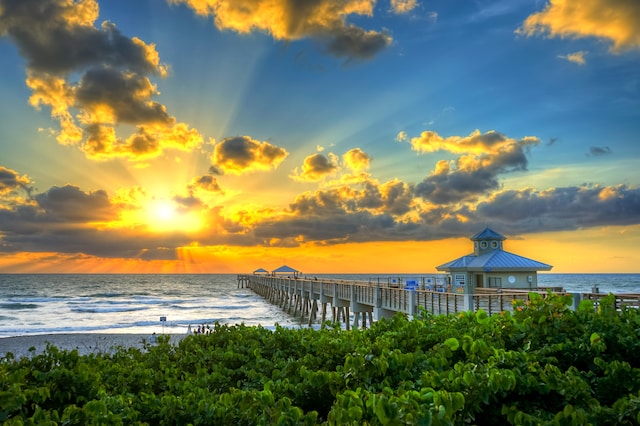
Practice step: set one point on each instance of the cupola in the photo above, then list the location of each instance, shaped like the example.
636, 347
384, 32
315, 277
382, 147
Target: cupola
487, 241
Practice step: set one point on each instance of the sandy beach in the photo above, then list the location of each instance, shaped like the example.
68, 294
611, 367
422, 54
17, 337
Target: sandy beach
85, 343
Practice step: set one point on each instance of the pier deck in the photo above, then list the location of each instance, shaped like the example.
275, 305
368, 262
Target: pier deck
355, 302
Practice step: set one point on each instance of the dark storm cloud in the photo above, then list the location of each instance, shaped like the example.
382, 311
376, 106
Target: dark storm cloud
58, 36
395, 197
355, 42
338, 228
70, 204
126, 94
474, 173
597, 151
242, 154
449, 186
564, 208
11, 181
206, 183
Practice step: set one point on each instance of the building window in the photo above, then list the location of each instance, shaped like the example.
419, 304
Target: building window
494, 244
484, 244
495, 282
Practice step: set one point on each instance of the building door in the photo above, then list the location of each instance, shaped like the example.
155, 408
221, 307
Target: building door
459, 281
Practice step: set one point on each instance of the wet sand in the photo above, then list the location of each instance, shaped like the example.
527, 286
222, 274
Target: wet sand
85, 343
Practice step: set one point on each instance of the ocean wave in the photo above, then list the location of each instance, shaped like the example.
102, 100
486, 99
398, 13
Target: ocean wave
105, 295
233, 307
18, 306
188, 307
108, 310
29, 300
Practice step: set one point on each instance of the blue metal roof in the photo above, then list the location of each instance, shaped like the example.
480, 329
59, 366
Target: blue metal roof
495, 260
488, 234
284, 269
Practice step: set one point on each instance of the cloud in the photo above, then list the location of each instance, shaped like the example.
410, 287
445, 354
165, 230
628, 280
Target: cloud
205, 183
403, 6
346, 215
483, 157
315, 167
322, 20
242, 154
148, 142
68, 204
575, 57
597, 151
394, 197
113, 96
563, 209
69, 220
368, 211
11, 181
93, 79
352, 167
356, 160
613, 20
59, 37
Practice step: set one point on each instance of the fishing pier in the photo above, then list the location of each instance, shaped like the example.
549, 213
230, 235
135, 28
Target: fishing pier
355, 303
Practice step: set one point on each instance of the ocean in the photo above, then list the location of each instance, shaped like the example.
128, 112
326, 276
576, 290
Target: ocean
84, 303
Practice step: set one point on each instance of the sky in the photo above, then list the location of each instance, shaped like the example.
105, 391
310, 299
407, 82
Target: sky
334, 136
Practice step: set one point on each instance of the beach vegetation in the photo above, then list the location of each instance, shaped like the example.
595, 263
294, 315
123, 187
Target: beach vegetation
543, 364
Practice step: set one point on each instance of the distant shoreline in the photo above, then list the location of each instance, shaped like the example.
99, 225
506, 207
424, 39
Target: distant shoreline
85, 343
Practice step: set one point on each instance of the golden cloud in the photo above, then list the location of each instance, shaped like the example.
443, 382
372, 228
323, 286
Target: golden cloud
403, 6
614, 20
356, 159
476, 142
575, 57
316, 167
323, 20
148, 142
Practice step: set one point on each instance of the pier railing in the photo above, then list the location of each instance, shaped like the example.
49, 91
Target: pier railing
306, 297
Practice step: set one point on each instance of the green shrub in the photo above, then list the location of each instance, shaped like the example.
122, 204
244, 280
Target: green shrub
543, 364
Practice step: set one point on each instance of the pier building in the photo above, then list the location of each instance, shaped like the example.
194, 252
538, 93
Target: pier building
490, 266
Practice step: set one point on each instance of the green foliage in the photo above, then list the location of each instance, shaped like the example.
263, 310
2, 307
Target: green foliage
543, 364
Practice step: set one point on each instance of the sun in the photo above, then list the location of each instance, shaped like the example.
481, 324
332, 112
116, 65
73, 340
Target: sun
162, 212
166, 216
